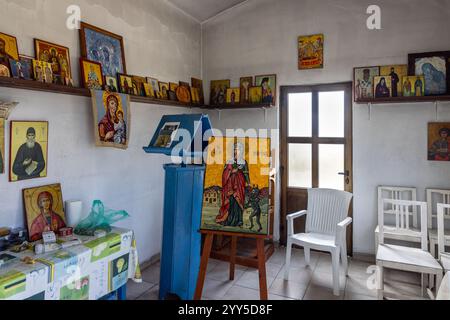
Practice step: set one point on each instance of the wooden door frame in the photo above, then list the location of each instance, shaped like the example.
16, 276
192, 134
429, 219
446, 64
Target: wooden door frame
284, 116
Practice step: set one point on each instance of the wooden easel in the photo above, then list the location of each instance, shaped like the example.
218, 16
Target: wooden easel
260, 259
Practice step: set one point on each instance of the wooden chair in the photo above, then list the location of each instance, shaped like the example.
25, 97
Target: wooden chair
326, 225
435, 196
405, 258
390, 232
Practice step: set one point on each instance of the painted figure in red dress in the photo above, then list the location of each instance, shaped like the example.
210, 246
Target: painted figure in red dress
47, 220
235, 178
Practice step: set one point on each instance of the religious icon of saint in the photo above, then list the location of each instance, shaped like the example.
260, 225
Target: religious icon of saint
29, 161
48, 219
235, 179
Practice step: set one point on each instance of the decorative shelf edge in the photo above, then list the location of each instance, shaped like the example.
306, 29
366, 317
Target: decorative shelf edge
403, 100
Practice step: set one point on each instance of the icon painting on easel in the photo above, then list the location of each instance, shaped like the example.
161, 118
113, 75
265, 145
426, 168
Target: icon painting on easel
236, 190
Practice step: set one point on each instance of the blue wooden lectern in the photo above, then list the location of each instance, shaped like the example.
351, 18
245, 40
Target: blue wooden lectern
183, 194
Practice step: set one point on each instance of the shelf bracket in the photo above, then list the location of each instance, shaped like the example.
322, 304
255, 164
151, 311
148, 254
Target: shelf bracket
436, 107
265, 114
219, 113
369, 110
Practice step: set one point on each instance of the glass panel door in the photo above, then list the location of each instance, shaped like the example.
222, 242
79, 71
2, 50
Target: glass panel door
316, 145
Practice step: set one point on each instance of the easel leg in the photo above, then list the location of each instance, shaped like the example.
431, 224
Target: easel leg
233, 257
203, 266
262, 269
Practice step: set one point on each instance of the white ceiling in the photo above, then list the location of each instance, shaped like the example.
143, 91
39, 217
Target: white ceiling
203, 10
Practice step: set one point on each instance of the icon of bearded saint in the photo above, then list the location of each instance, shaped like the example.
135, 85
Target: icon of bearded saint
29, 161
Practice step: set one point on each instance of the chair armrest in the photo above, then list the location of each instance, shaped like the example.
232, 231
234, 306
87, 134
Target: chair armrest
296, 215
345, 223
290, 220
341, 231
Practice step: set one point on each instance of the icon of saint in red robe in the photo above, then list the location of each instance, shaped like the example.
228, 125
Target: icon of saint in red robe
47, 220
235, 178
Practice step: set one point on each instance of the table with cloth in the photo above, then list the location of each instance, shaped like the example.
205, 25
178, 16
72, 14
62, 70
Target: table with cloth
90, 271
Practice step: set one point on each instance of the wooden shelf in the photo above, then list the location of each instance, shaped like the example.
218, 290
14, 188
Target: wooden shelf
404, 99
229, 106
60, 89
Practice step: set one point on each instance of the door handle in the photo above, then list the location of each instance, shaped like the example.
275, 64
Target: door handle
346, 174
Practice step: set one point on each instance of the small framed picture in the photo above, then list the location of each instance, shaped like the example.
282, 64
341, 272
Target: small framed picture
172, 95
8, 47
148, 89
173, 86
111, 84
195, 96
4, 70
363, 82
104, 47
91, 74
233, 95
310, 52
28, 150
26, 63
396, 72
155, 86
256, 94
138, 85
268, 83
198, 83
245, 84
219, 91
38, 214
382, 87
42, 71
16, 69
58, 56
125, 84
184, 94
163, 90
438, 141
413, 86
435, 67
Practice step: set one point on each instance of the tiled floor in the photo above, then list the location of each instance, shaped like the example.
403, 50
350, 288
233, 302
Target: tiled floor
305, 283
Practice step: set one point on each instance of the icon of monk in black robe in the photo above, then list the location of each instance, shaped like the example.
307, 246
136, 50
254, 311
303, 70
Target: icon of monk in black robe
29, 161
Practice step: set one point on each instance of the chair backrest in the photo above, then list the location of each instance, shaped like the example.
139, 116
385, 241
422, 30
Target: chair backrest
435, 196
398, 193
326, 208
402, 223
441, 212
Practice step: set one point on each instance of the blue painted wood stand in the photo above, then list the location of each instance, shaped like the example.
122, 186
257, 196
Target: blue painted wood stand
181, 243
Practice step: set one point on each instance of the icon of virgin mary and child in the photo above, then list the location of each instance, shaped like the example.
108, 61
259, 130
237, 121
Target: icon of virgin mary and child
235, 179
112, 128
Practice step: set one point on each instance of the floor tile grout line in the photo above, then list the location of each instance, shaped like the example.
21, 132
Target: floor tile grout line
151, 288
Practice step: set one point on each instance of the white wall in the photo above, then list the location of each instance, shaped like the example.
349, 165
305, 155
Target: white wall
160, 41
260, 37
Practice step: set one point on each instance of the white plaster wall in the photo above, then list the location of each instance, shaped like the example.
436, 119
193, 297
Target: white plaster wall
160, 41
260, 37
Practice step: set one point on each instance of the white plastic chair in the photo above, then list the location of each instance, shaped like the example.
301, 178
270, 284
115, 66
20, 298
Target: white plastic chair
397, 193
326, 226
444, 257
435, 196
390, 256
